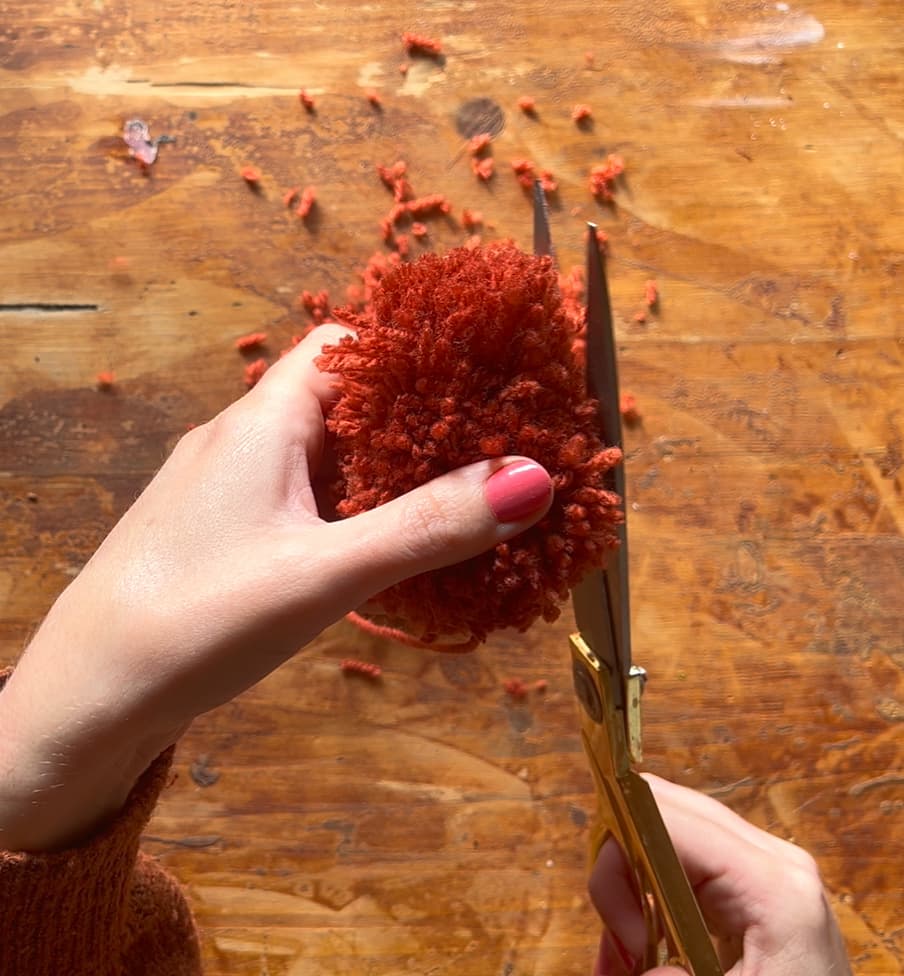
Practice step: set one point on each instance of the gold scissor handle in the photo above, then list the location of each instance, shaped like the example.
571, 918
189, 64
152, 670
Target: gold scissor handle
676, 932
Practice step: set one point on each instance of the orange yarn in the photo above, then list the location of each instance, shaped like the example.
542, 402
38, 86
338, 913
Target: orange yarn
459, 358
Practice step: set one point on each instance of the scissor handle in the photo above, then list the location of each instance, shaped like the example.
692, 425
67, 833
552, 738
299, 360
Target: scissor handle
676, 932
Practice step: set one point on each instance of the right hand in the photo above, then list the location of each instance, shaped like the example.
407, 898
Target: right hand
762, 897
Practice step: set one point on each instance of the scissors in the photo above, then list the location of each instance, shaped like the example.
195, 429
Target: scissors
608, 686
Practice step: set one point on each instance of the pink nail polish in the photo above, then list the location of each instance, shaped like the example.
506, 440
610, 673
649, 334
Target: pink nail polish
518, 490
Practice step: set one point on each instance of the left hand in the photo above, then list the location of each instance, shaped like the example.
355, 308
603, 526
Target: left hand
220, 571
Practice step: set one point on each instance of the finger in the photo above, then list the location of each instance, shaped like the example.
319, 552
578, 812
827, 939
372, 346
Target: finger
608, 962
694, 802
735, 844
601, 962
760, 894
755, 890
719, 864
294, 394
297, 370
614, 895
443, 522
614, 960
735, 869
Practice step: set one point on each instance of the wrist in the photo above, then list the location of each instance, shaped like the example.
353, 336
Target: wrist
55, 793
67, 761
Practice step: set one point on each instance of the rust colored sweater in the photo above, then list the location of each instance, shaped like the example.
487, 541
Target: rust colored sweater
100, 909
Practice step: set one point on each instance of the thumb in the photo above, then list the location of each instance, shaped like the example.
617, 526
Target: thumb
452, 518
613, 959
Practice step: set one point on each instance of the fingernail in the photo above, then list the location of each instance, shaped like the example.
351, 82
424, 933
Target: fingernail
623, 954
518, 490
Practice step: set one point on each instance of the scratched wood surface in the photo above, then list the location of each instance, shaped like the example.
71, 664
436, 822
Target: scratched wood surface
428, 823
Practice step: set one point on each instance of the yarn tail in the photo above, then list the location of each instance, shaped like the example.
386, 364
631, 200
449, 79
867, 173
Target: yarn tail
392, 633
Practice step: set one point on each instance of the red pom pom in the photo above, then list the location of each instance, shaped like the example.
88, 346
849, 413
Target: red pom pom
466, 356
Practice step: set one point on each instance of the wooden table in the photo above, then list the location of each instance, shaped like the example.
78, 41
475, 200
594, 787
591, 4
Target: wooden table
429, 823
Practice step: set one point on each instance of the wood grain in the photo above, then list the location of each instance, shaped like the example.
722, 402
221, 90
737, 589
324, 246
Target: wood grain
428, 823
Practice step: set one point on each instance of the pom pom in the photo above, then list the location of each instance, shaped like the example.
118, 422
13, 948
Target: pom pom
462, 357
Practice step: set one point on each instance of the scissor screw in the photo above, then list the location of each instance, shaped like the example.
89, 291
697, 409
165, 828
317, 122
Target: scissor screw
586, 690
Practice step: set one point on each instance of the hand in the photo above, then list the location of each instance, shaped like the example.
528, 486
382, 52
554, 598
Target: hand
219, 572
762, 897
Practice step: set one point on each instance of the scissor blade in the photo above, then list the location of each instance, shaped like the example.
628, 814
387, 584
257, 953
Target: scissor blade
602, 370
596, 614
542, 235
601, 601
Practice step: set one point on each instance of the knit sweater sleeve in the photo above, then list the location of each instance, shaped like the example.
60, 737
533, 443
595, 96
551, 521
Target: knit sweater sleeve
100, 908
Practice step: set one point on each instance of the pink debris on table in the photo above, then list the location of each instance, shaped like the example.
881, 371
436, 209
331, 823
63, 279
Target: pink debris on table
137, 137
